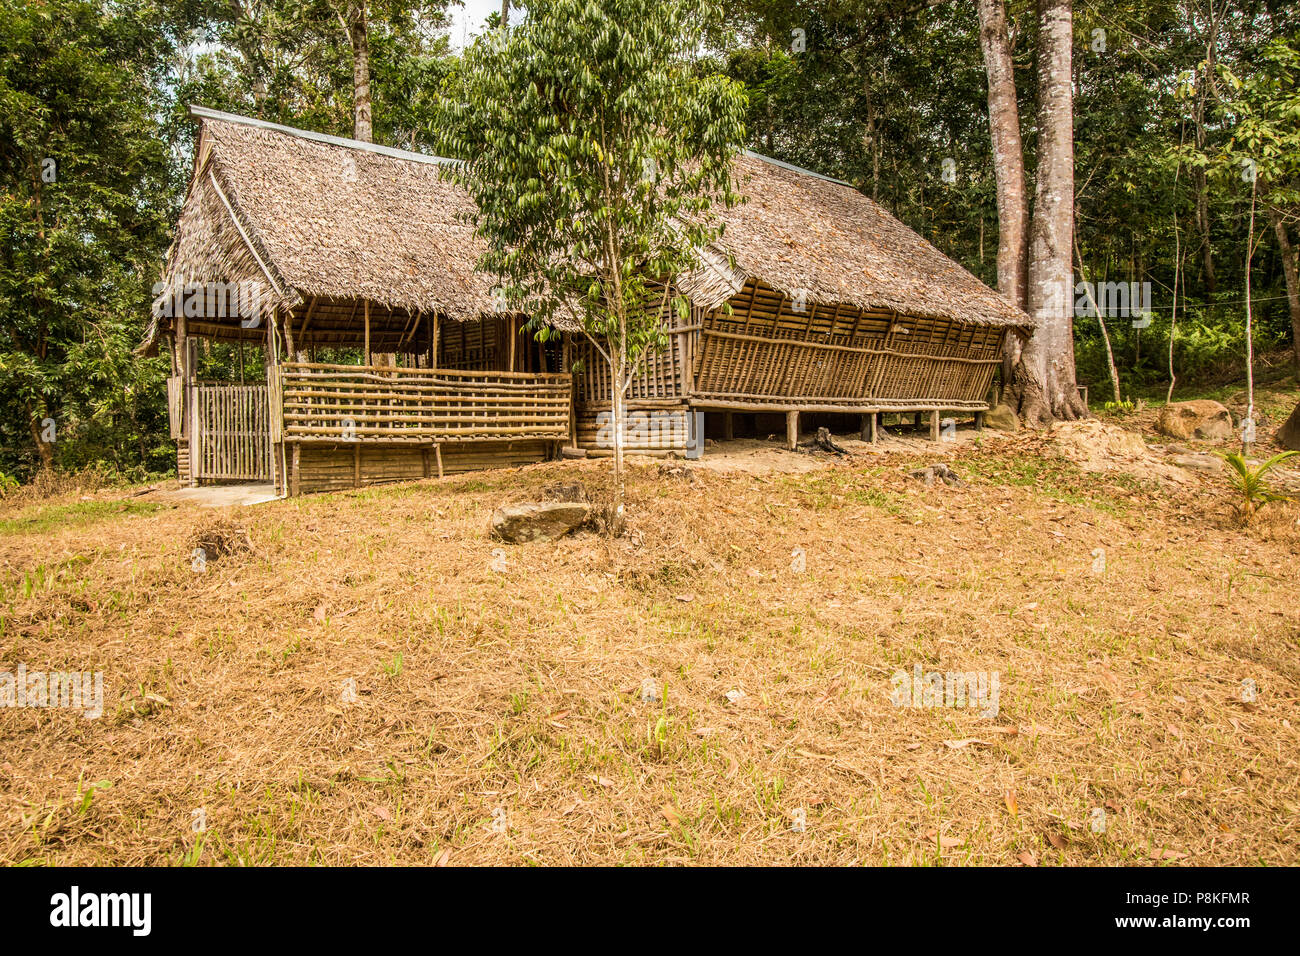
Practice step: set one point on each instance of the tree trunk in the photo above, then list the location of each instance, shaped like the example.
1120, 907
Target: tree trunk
618, 411
1008, 165
1044, 385
43, 448
1291, 272
505, 14
359, 35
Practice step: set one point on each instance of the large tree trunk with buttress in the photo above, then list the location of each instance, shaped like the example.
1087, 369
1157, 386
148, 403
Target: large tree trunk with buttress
1044, 385
1291, 273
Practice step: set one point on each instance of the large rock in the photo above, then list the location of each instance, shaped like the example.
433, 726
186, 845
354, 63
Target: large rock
1288, 436
538, 520
1199, 419
1003, 418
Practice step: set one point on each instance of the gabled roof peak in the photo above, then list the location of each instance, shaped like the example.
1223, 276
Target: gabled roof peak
202, 112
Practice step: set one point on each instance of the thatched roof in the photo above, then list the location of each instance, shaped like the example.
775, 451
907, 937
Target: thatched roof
343, 219
314, 216
800, 232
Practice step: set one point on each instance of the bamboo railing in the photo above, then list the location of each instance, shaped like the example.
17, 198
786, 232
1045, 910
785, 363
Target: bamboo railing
370, 404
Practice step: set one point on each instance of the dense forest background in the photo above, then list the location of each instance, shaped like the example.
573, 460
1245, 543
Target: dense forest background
1187, 114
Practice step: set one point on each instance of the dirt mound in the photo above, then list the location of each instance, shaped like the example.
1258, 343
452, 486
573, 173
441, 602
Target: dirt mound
1099, 447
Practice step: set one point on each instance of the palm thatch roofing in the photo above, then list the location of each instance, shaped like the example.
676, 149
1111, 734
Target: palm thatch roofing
316, 216
820, 239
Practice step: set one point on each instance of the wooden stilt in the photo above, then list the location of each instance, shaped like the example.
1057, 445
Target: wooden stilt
294, 469
728, 426
437, 451
934, 425
367, 362
979, 421
791, 430
873, 427
424, 462
356, 465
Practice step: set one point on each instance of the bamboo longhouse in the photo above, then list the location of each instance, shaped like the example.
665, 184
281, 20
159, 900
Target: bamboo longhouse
379, 353
813, 300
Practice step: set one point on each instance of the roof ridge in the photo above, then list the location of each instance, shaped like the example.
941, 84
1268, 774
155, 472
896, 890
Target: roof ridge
795, 169
203, 112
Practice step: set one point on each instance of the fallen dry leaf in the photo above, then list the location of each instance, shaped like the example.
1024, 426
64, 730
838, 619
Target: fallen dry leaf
1012, 806
1027, 858
945, 842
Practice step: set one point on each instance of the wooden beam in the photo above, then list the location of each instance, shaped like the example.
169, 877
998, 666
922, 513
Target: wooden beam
791, 429
934, 425
367, 362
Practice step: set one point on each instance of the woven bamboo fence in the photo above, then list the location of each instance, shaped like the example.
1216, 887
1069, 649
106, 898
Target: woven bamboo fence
230, 436
334, 403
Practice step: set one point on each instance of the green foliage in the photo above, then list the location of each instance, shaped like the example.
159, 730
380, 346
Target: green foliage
84, 216
593, 147
1252, 484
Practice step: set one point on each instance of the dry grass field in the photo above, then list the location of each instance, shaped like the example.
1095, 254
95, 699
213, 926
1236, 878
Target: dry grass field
368, 678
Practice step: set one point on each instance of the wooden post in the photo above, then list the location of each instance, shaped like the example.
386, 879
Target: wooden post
514, 335
424, 456
437, 451
367, 361
869, 427
791, 430
728, 426
934, 425
356, 465
433, 343
294, 468
979, 421
917, 421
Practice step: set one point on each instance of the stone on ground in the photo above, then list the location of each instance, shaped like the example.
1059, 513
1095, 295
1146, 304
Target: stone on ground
538, 520
1003, 418
1202, 418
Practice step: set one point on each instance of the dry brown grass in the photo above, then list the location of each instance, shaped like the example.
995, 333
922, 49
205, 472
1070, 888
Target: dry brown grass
498, 714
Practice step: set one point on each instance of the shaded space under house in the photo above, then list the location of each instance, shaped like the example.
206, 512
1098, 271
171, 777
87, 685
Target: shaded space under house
345, 273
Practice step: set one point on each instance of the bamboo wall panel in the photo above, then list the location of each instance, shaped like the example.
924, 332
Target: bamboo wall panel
770, 349
176, 405
231, 438
474, 346
658, 429
333, 467
371, 404
659, 376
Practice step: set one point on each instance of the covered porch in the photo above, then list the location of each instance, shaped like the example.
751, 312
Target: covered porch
334, 412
